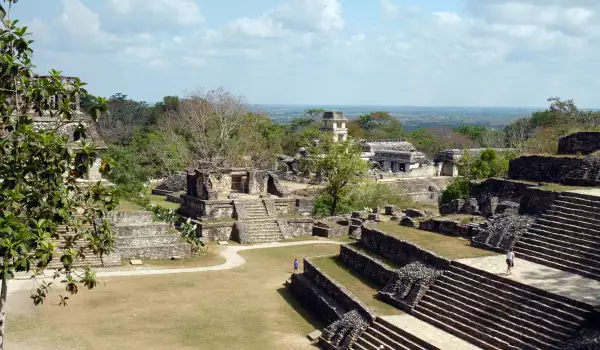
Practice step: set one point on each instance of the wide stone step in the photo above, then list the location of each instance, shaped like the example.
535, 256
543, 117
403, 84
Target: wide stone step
143, 230
498, 331
557, 263
559, 248
577, 214
143, 241
577, 222
471, 335
539, 300
552, 234
592, 201
584, 208
366, 344
497, 302
379, 341
573, 230
498, 313
399, 336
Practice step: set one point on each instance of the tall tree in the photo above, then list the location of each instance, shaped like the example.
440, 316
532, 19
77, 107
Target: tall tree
340, 166
314, 113
40, 202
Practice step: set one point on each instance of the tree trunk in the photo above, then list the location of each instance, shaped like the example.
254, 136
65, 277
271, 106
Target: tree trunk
3, 294
333, 205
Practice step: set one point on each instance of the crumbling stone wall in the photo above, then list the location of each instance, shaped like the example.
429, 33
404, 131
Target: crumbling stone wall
449, 227
409, 284
291, 228
313, 298
535, 201
505, 190
375, 270
335, 290
345, 331
580, 142
399, 251
220, 231
501, 232
543, 168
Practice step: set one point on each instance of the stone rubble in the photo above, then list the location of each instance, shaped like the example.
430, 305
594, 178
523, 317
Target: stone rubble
406, 277
345, 331
502, 230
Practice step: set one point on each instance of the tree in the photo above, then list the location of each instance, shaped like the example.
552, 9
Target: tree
380, 125
40, 202
314, 114
340, 166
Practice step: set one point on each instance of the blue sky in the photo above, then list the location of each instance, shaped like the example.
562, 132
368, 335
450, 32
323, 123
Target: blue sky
333, 52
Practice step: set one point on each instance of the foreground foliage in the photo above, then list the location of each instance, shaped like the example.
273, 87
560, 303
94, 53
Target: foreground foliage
40, 200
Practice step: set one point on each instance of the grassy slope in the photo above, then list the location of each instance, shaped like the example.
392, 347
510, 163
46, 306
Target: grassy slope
244, 308
446, 246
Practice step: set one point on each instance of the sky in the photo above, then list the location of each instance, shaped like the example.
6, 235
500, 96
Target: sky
326, 52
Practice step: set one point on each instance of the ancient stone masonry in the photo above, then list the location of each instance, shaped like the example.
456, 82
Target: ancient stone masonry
447, 161
543, 168
409, 284
586, 339
566, 237
496, 313
399, 251
581, 142
450, 227
586, 175
174, 183
500, 232
373, 269
345, 331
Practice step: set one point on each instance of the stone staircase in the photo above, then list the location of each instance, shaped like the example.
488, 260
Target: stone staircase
264, 231
497, 313
566, 237
256, 210
382, 335
92, 260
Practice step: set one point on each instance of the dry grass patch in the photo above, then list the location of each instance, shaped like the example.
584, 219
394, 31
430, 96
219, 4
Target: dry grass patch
446, 246
244, 308
361, 287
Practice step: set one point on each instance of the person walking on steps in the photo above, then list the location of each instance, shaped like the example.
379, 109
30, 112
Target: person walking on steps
510, 261
296, 265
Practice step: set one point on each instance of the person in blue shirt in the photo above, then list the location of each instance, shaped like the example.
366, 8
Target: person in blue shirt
296, 265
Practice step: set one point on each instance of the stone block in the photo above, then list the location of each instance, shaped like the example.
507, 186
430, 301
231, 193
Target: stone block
415, 213
389, 210
488, 206
356, 215
469, 206
223, 243
408, 222
395, 217
136, 262
314, 335
374, 216
376, 210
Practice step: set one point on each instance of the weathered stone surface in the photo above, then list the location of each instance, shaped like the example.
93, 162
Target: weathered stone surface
415, 213
345, 331
580, 142
449, 227
408, 222
375, 270
399, 251
136, 262
411, 276
389, 210
174, 183
536, 201
502, 231
395, 217
356, 215
470, 206
314, 335
586, 175
373, 217
507, 207
488, 206
543, 168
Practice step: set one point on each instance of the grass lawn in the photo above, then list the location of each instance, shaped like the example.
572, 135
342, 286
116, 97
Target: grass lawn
243, 308
161, 201
361, 287
127, 206
446, 246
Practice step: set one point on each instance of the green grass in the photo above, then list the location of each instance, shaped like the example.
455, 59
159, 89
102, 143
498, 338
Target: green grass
561, 188
446, 246
244, 308
127, 206
361, 287
161, 201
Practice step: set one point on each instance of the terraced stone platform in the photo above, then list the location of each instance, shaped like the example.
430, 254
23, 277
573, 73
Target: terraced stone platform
567, 235
555, 281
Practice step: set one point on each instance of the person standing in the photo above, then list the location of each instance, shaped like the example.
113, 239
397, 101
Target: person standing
296, 265
510, 261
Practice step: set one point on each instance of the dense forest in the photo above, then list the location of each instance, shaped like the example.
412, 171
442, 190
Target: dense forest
217, 128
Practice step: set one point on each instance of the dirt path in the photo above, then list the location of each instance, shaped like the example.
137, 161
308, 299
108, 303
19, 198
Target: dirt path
230, 253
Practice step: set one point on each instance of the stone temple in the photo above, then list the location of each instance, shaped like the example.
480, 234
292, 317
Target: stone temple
334, 122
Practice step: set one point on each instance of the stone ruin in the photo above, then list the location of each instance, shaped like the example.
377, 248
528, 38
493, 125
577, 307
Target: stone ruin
407, 277
581, 142
500, 232
345, 331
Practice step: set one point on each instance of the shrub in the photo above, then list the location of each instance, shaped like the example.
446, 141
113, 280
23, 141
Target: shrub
459, 189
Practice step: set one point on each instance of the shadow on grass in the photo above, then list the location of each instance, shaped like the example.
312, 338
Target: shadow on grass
306, 314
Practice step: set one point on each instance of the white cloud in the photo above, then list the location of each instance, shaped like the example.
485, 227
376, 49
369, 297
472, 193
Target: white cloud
310, 15
185, 13
389, 8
